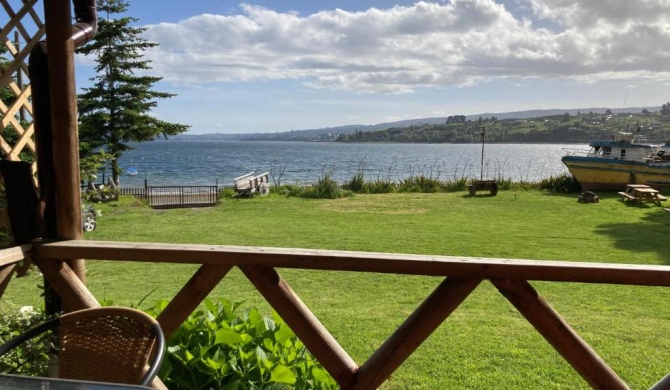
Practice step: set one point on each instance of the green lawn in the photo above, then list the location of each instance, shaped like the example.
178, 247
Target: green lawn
485, 344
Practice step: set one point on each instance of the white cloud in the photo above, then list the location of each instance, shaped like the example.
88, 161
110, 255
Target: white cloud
397, 50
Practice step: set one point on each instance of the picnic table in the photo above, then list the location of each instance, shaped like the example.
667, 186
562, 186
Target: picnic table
639, 193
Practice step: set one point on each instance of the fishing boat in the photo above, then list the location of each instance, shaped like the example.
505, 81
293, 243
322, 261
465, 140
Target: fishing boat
131, 171
610, 165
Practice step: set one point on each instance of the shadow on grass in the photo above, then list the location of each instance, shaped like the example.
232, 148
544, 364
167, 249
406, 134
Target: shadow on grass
648, 234
482, 195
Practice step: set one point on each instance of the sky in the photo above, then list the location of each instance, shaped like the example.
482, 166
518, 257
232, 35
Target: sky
271, 66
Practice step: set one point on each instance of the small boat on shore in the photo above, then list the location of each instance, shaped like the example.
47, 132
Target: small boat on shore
612, 164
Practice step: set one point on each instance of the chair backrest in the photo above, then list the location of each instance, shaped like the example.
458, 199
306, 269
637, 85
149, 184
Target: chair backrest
110, 344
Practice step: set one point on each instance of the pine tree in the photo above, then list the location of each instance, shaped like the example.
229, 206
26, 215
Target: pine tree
116, 110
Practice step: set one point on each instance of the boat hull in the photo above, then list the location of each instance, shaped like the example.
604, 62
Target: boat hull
601, 174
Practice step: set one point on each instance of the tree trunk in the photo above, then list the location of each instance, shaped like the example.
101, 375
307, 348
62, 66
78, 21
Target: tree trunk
116, 172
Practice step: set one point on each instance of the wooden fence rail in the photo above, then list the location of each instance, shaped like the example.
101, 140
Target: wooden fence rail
9, 261
462, 276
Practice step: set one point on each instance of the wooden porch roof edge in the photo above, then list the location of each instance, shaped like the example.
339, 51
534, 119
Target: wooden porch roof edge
316, 259
14, 254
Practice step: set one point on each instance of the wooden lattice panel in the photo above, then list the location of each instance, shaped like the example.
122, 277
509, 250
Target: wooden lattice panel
21, 33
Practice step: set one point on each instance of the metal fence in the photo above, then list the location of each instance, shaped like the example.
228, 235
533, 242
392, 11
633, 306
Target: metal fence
140, 192
175, 196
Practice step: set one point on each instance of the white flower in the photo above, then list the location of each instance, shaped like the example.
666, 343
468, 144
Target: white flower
27, 311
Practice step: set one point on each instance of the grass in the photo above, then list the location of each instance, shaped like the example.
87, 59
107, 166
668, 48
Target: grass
485, 343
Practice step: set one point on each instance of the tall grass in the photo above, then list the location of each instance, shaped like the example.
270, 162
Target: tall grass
356, 183
327, 188
564, 184
456, 184
420, 184
380, 186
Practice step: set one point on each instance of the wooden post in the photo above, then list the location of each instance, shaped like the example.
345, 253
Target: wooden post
189, 297
63, 97
304, 324
481, 172
414, 331
67, 284
559, 334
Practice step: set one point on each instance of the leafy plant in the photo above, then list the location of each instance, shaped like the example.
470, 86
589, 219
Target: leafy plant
32, 357
221, 347
90, 165
100, 194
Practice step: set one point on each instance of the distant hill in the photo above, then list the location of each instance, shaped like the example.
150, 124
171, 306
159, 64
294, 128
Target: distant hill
330, 133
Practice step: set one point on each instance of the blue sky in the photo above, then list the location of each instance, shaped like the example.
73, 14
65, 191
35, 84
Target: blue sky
267, 66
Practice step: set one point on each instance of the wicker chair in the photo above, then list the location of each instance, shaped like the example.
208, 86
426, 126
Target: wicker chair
110, 344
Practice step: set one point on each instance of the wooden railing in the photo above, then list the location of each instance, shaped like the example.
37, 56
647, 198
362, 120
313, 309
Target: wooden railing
462, 275
10, 258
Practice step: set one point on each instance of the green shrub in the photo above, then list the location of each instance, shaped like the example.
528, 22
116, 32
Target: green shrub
226, 193
220, 347
31, 358
380, 187
523, 185
326, 188
420, 184
505, 184
356, 184
564, 183
456, 185
291, 190
102, 194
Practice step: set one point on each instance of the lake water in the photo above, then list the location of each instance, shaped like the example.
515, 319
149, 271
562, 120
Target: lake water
203, 163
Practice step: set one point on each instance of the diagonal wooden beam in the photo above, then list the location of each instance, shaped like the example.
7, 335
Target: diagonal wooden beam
67, 284
189, 297
301, 320
559, 334
663, 384
414, 331
74, 292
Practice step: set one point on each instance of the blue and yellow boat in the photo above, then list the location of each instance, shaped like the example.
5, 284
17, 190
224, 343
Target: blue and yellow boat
612, 164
